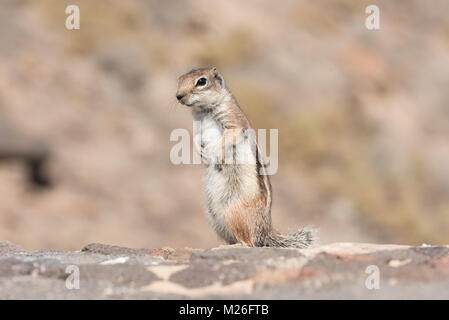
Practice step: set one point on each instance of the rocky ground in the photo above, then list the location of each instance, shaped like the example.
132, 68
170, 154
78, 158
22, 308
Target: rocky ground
335, 271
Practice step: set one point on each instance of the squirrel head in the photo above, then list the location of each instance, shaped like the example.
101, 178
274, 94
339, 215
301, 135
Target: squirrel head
203, 88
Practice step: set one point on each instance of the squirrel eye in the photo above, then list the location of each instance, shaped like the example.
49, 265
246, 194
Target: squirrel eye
200, 82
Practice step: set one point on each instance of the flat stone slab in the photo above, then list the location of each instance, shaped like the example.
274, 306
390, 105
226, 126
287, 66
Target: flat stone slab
334, 271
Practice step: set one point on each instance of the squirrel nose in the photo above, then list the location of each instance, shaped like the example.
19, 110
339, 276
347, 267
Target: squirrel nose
179, 96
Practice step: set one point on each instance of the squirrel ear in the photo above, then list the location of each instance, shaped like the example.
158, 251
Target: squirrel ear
218, 77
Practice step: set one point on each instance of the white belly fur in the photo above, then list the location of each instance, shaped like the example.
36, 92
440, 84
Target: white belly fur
224, 187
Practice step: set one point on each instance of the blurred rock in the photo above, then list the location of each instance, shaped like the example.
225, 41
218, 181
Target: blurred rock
124, 65
34, 154
8, 247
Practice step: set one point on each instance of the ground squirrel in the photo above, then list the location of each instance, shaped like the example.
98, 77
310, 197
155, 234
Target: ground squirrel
238, 192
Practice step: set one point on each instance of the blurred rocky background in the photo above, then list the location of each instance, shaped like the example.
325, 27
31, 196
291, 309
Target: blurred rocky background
86, 115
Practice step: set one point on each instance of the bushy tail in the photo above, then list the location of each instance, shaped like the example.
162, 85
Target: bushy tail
301, 238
